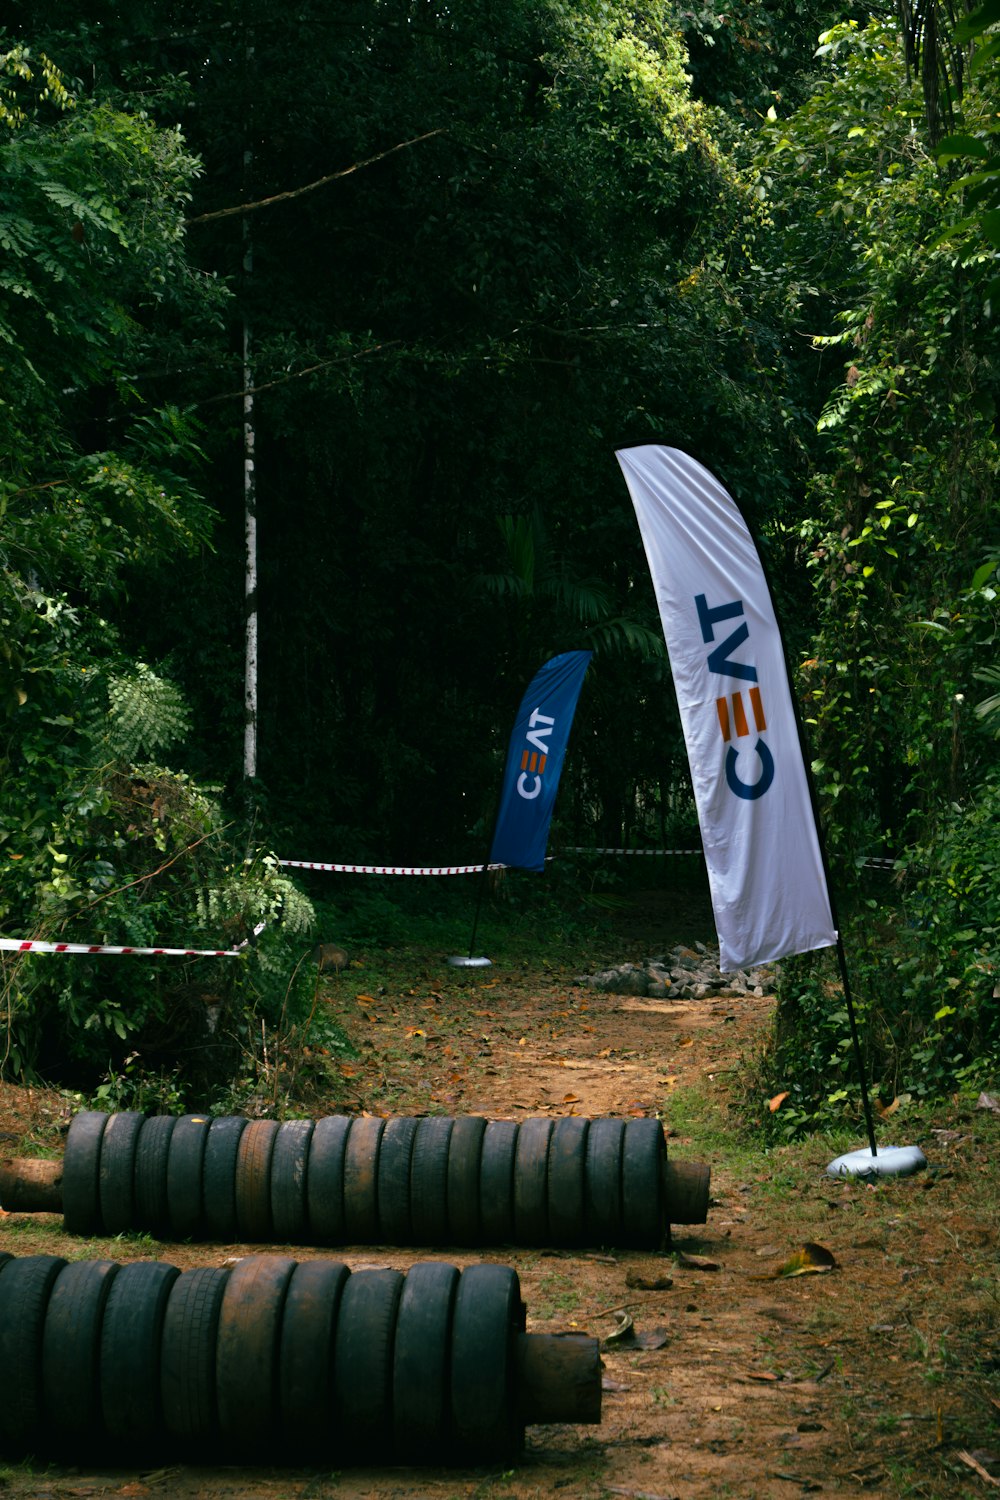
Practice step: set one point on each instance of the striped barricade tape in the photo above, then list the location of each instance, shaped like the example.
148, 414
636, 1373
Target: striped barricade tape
590, 849
305, 864
38, 945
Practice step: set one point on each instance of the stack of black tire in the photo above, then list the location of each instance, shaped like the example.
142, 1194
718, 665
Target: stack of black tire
271, 1359
354, 1181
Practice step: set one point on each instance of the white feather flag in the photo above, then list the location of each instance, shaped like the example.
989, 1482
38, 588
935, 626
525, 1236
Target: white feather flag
758, 829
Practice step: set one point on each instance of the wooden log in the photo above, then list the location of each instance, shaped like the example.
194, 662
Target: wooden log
31, 1185
686, 1184
558, 1377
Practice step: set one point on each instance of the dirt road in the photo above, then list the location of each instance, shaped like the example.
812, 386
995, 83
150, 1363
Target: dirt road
879, 1377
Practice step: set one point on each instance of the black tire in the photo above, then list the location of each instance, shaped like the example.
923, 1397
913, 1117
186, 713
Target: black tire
152, 1154
25, 1287
567, 1173
325, 1180
488, 1315
465, 1151
185, 1167
253, 1180
305, 1358
603, 1182
5, 1256
421, 1367
81, 1202
116, 1173
496, 1182
644, 1218
394, 1161
531, 1182
219, 1178
362, 1362
71, 1354
187, 1357
429, 1181
361, 1181
131, 1336
247, 1353
289, 1216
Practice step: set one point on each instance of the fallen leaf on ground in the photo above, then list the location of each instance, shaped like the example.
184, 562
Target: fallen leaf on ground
810, 1258
695, 1262
778, 1100
648, 1283
623, 1334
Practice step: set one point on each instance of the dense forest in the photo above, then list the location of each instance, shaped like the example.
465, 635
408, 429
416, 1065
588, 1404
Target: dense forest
319, 328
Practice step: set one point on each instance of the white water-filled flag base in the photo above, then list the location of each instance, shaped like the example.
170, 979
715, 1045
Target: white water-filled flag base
758, 829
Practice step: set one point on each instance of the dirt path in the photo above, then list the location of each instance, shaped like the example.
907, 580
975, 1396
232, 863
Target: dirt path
869, 1380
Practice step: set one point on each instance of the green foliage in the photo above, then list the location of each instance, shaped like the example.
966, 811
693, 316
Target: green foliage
902, 496
146, 714
977, 146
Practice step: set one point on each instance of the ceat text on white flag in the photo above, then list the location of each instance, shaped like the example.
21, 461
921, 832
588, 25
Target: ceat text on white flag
758, 828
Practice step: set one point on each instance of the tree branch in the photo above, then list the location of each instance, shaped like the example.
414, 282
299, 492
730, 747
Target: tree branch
309, 187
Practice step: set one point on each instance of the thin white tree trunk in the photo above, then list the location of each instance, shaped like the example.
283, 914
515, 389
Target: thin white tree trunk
249, 500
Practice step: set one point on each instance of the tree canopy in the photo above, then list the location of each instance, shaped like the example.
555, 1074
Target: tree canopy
438, 262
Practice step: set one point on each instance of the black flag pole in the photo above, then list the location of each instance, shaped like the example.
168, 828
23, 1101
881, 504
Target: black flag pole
845, 977
893, 1160
472, 961
855, 1040
687, 518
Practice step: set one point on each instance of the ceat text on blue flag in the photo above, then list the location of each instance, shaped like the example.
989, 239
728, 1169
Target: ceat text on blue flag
535, 758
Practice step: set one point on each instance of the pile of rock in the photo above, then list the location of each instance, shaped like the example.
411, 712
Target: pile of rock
683, 974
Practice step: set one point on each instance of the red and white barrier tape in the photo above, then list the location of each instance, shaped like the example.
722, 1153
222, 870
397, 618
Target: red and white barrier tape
590, 849
36, 945
304, 864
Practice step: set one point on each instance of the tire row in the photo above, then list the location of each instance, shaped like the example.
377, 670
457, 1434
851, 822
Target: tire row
424, 1181
271, 1358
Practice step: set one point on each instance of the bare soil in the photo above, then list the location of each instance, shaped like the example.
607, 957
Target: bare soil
879, 1377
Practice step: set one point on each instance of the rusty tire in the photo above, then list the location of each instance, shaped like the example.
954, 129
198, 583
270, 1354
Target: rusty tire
253, 1180
361, 1226
289, 1161
247, 1352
